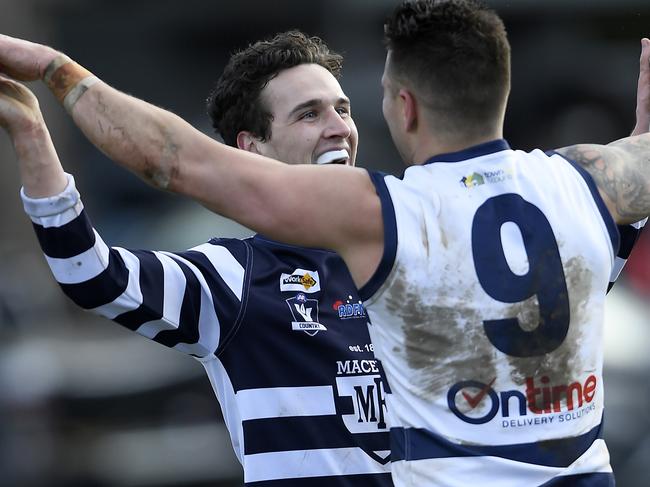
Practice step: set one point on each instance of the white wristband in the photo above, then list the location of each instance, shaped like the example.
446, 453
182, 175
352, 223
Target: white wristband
77, 92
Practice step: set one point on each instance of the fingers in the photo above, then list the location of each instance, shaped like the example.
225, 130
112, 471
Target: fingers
643, 90
24, 60
644, 60
644, 80
12, 88
8, 86
19, 110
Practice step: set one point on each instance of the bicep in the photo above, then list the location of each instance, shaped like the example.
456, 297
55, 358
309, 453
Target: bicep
333, 207
315, 206
621, 173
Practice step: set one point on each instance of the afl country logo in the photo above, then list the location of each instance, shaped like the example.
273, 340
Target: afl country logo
305, 314
300, 280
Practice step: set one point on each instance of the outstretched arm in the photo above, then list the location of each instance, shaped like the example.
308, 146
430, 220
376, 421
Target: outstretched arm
333, 207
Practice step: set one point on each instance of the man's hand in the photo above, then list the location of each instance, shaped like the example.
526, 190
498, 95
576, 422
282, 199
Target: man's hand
20, 115
24, 60
19, 110
643, 91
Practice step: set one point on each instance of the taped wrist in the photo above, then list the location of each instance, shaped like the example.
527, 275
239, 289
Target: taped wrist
68, 80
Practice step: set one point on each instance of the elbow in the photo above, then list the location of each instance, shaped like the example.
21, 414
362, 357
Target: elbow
162, 169
157, 174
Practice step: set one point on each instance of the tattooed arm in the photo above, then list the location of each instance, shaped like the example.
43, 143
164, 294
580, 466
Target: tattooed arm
621, 170
630, 233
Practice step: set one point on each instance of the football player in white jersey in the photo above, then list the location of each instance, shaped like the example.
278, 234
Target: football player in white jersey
484, 269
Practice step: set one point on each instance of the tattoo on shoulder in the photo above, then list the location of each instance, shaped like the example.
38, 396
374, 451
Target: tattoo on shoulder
621, 170
592, 159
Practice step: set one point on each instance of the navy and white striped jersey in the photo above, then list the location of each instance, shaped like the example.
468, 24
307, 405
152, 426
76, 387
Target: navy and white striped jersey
487, 315
280, 331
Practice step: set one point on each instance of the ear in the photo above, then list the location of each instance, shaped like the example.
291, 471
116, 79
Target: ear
248, 142
409, 107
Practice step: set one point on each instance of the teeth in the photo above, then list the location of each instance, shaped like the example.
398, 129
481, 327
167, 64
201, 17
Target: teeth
331, 156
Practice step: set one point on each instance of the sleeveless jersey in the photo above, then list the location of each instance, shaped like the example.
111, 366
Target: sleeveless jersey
487, 315
279, 329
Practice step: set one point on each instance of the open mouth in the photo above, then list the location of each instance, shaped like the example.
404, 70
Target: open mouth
333, 157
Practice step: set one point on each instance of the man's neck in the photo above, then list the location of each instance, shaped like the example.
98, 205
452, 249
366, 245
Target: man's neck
433, 147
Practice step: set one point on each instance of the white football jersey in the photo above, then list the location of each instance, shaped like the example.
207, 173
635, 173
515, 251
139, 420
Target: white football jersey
487, 315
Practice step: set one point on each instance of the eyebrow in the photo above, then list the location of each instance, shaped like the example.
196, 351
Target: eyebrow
315, 102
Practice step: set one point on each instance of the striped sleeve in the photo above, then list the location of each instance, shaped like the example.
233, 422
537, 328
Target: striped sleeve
629, 236
186, 300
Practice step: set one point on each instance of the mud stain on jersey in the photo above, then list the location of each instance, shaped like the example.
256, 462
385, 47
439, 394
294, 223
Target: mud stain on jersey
425, 236
442, 344
443, 238
527, 312
563, 365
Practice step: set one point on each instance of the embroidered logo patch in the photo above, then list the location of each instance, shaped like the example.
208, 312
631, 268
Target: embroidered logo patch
305, 314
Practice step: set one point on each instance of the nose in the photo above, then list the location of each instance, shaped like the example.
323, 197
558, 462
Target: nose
337, 126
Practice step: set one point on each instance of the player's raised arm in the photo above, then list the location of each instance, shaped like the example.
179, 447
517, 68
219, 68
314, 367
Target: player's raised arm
630, 233
333, 207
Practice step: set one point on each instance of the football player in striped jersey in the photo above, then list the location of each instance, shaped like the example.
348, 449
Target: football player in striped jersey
279, 329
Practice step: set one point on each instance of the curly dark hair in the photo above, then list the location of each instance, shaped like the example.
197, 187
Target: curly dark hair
457, 54
235, 103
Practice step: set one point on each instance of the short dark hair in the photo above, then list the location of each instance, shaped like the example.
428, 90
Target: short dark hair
235, 102
456, 55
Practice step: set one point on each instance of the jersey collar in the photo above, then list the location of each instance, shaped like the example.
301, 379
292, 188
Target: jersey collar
472, 152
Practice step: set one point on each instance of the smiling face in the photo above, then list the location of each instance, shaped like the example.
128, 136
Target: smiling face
311, 120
